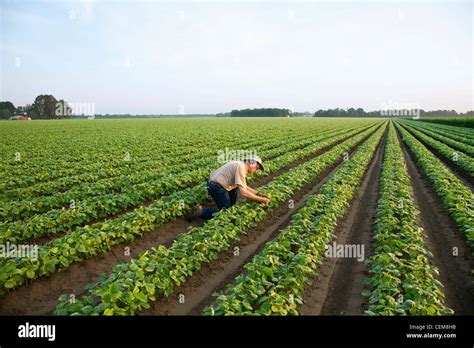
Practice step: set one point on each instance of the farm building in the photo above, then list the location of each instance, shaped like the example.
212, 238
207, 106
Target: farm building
20, 118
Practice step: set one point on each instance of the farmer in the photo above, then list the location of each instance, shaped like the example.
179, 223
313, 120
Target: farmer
224, 183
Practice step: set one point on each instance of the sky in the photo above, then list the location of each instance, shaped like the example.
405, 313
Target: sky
197, 57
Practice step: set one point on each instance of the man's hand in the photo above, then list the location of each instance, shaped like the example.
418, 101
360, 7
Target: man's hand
248, 192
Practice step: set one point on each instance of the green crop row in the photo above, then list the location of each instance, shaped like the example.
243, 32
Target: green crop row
100, 237
445, 139
450, 128
275, 279
452, 134
87, 210
459, 159
77, 168
80, 154
467, 122
99, 171
456, 198
402, 281
60, 220
139, 181
131, 286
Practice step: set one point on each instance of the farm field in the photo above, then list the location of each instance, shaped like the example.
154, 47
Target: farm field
367, 217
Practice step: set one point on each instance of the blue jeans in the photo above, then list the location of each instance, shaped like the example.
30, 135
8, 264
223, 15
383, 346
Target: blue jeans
224, 199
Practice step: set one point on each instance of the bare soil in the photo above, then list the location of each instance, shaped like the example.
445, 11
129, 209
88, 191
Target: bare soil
442, 236
337, 288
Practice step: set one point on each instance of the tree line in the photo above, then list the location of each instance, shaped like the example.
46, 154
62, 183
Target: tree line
359, 112
44, 107
48, 107
264, 112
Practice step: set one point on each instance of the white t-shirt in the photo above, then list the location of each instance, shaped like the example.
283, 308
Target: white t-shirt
230, 175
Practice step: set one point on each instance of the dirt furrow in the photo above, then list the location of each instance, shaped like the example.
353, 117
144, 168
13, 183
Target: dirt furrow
451, 254
337, 288
214, 276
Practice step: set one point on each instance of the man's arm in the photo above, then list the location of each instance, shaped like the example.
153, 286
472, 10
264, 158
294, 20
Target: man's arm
250, 193
252, 190
255, 192
246, 191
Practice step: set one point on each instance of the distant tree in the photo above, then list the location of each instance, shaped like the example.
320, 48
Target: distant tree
359, 112
351, 112
439, 113
24, 110
6, 105
263, 112
44, 107
5, 113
